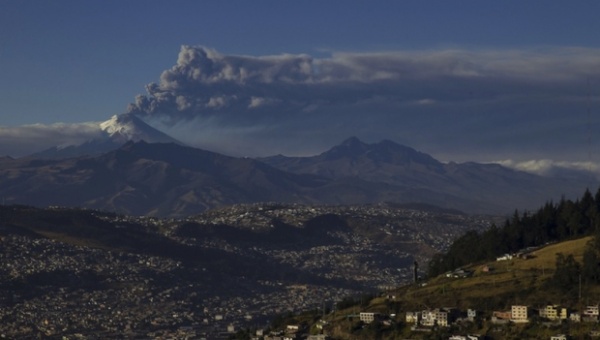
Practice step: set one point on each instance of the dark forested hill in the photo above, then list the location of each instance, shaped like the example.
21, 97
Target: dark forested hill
552, 222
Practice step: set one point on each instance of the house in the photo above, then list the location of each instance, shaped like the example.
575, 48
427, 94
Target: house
519, 314
591, 310
575, 317
553, 312
434, 317
564, 314
459, 273
292, 328
504, 257
590, 314
471, 314
412, 317
500, 317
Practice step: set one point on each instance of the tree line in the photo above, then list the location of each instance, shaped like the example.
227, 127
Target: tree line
553, 222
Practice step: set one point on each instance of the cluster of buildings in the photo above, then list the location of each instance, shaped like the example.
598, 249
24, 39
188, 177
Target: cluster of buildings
523, 314
56, 289
445, 317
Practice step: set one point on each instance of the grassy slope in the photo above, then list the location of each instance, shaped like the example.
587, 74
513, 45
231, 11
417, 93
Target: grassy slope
518, 281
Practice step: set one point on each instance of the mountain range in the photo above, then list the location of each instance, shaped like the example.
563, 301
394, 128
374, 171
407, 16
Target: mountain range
154, 174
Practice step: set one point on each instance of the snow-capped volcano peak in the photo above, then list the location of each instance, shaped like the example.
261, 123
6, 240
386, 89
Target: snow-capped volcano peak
119, 124
127, 127
116, 131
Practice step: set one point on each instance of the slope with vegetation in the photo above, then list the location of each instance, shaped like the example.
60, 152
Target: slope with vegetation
551, 223
561, 267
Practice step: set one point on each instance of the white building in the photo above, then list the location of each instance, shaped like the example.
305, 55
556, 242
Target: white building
434, 317
504, 257
471, 314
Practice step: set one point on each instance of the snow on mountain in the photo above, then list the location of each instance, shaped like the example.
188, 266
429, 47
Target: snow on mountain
116, 131
127, 127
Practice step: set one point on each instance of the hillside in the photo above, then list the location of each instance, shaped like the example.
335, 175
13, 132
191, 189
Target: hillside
539, 273
520, 281
66, 271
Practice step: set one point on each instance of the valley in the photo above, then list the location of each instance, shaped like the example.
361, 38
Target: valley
231, 267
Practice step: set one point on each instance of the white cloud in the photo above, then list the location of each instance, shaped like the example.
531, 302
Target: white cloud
23, 140
256, 102
547, 167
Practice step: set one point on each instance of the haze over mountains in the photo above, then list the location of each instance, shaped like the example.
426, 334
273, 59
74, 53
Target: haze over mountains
115, 132
166, 178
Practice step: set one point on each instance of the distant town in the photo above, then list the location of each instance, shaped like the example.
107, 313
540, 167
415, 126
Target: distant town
57, 284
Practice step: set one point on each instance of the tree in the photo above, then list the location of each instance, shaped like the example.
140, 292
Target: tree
590, 270
566, 275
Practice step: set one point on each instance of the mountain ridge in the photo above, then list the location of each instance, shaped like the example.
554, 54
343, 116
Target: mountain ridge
170, 179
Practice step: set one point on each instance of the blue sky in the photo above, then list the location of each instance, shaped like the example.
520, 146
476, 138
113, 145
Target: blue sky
80, 61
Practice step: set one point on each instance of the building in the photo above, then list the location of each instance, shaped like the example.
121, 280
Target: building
501, 317
554, 312
292, 328
471, 314
559, 337
504, 257
549, 312
519, 314
590, 314
591, 311
434, 317
412, 317
575, 317
368, 317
